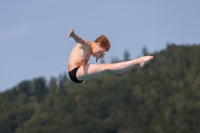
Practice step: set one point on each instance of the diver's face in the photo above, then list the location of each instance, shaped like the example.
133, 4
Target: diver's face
98, 51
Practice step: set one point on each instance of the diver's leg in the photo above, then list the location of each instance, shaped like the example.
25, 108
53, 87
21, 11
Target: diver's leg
95, 70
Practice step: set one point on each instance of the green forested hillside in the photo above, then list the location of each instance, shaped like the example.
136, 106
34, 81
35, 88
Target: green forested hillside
163, 97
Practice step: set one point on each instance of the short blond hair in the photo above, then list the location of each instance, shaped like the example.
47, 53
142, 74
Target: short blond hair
103, 42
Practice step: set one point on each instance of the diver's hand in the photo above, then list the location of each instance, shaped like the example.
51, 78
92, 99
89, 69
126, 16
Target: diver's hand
71, 33
98, 57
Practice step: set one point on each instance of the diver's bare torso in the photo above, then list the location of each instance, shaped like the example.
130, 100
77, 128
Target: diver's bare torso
79, 56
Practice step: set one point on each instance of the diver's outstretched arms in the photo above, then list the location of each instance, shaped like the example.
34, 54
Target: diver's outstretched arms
91, 71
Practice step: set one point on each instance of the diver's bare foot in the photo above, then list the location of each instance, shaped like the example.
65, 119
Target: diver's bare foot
144, 60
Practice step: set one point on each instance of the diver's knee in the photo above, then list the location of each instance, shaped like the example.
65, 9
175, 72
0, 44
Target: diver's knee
107, 68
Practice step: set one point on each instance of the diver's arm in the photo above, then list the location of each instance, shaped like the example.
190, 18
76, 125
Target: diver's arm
77, 38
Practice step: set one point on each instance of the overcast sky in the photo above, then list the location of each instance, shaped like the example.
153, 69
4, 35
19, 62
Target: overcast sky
32, 33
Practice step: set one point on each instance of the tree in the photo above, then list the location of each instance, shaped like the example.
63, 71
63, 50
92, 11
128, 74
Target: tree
126, 55
144, 51
40, 88
25, 87
114, 60
52, 84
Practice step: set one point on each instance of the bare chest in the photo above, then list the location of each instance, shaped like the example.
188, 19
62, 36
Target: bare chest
79, 56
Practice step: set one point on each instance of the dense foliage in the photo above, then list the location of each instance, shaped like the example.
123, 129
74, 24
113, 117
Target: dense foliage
163, 97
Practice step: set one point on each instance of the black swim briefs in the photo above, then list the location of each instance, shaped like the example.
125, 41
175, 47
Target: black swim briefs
72, 75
